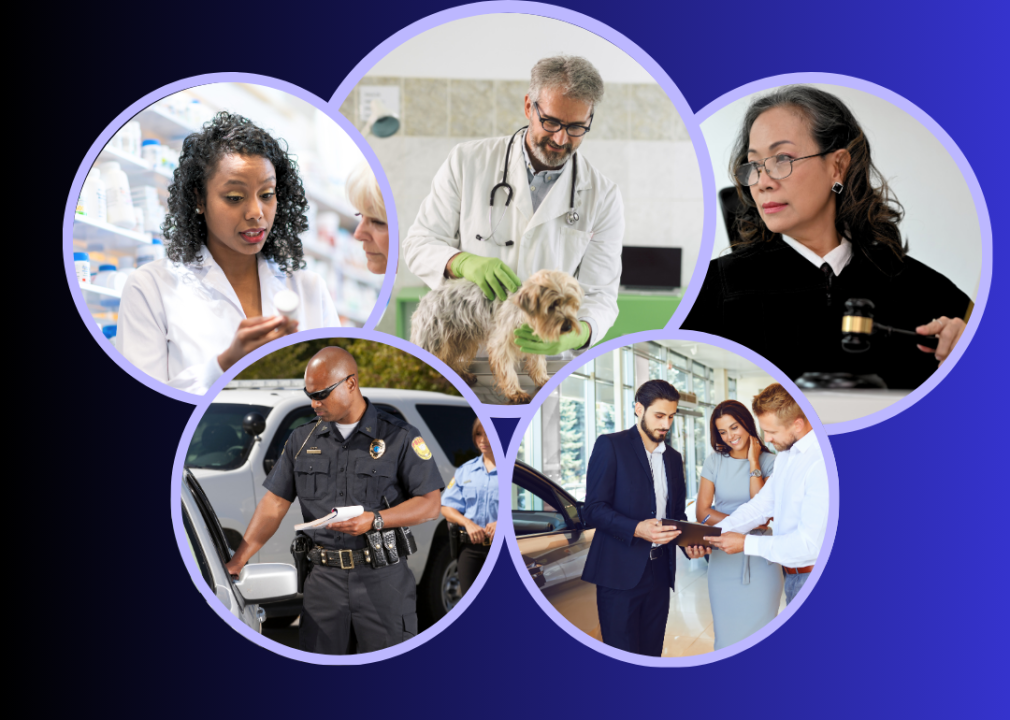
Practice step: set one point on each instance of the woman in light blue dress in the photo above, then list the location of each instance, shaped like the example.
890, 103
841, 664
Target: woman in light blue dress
745, 591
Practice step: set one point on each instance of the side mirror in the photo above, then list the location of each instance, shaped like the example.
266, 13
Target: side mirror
266, 582
254, 424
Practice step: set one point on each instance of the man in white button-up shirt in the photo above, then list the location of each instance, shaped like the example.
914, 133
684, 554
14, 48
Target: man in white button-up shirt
796, 494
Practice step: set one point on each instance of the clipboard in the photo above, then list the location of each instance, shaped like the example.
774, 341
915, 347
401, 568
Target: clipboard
692, 533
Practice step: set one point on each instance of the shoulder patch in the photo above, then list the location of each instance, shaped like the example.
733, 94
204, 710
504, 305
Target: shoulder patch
451, 483
421, 448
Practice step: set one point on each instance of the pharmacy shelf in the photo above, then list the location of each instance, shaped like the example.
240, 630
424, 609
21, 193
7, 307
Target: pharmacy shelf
111, 236
343, 208
138, 170
90, 290
156, 121
351, 313
362, 276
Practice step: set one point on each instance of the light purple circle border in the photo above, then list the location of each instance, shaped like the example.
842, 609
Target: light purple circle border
505, 506
178, 470
149, 99
620, 41
985, 275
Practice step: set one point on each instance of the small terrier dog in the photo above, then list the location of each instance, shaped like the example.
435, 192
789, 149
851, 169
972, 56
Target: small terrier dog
453, 320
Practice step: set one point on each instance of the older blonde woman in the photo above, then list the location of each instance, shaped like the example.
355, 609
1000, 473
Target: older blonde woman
366, 197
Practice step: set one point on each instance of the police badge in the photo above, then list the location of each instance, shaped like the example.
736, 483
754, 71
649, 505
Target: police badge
377, 448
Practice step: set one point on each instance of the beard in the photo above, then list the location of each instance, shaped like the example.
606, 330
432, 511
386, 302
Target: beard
551, 160
787, 445
657, 435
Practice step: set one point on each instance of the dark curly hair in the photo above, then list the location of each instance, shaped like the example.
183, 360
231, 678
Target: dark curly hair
866, 211
185, 230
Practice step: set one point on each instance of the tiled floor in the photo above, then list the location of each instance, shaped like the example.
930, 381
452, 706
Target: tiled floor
689, 630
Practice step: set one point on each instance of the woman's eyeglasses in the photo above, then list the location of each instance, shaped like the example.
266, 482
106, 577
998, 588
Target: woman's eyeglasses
780, 168
323, 394
552, 126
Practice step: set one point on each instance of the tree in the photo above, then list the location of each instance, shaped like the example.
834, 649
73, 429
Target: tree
379, 365
571, 434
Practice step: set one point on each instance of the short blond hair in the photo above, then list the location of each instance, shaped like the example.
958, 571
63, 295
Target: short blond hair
364, 193
775, 399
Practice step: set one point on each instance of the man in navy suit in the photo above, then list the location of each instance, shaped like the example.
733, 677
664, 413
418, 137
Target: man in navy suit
633, 481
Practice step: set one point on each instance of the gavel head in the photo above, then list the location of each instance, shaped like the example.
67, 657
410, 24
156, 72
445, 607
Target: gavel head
857, 325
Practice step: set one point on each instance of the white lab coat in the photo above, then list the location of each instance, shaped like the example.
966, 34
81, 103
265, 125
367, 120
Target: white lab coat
456, 211
175, 319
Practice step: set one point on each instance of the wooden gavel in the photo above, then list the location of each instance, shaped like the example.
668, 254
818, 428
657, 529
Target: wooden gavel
858, 325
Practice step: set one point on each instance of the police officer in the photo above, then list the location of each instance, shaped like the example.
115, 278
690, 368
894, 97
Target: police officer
471, 502
354, 454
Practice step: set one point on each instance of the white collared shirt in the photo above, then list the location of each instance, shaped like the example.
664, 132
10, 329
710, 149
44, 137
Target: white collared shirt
837, 258
655, 459
796, 495
175, 319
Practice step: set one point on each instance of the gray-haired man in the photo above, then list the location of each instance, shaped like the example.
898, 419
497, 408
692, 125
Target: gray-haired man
556, 212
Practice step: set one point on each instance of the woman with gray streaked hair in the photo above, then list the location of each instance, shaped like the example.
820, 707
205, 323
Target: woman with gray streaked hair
818, 226
503, 208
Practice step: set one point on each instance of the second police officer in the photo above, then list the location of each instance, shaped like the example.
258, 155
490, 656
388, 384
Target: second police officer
354, 454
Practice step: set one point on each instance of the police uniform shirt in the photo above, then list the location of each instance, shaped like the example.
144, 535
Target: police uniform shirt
332, 471
774, 301
474, 492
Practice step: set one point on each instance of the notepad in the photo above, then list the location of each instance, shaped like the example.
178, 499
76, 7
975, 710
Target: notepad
336, 515
692, 533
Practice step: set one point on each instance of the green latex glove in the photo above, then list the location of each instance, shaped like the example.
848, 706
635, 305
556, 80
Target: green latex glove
492, 276
530, 343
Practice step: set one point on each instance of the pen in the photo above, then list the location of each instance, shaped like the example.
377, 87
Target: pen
706, 518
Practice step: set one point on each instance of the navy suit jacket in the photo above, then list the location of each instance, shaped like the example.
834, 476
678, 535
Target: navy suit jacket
619, 495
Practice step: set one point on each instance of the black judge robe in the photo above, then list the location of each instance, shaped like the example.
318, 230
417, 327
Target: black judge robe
774, 301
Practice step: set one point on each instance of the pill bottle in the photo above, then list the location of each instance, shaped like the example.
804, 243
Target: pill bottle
150, 150
158, 248
109, 331
82, 264
119, 204
286, 302
103, 278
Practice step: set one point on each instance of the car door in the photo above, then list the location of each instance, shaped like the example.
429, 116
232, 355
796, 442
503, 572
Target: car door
554, 544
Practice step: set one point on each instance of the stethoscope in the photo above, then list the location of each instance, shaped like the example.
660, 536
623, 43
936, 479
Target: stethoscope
571, 218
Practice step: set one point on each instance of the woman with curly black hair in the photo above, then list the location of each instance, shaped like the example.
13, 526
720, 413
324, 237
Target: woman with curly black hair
235, 209
819, 226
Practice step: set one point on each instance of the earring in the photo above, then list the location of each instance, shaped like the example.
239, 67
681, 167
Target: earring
837, 188
200, 212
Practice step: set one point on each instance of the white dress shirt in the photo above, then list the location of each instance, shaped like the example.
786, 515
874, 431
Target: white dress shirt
837, 258
796, 495
175, 319
659, 479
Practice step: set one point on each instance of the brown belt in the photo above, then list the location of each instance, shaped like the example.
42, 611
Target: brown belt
799, 571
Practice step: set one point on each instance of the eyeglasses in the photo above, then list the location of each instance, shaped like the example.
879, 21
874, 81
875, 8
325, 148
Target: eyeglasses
323, 394
552, 126
782, 167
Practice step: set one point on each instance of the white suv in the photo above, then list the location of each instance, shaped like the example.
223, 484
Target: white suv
232, 457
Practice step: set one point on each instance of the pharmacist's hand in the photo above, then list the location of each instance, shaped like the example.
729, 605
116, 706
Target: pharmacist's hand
696, 552
253, 333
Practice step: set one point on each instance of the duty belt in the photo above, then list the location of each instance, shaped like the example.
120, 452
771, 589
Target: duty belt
464, 537
343, 559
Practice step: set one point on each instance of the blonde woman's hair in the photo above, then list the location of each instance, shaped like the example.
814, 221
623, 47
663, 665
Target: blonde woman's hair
364, 193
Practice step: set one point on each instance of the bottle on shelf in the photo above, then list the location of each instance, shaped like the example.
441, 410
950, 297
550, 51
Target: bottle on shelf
91, 202
119, 204
82, 264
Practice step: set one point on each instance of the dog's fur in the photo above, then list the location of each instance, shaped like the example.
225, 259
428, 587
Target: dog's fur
454, 319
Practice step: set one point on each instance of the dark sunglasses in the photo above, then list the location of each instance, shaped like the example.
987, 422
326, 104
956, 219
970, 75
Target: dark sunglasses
325, 393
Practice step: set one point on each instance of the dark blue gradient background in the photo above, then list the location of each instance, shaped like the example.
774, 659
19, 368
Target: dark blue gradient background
910, 616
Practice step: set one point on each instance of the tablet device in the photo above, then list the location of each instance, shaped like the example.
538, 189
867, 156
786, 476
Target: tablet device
692, 533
